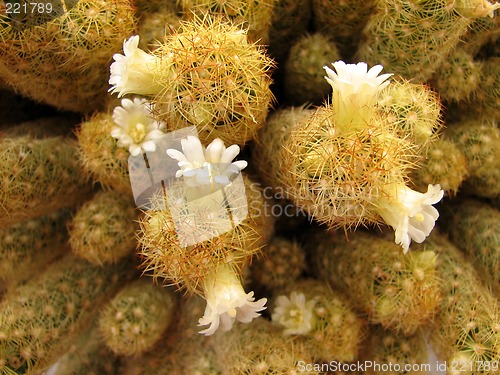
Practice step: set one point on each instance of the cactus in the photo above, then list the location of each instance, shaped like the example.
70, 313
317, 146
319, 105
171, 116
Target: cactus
282, 262
28, 247
41, 318
213, 79
465, 330
458, 77
474, 227
61, 57
103, 229
304, 74
412, 38
385, 348
486, 98
400, 292
344, 20
187, 266
135, 319
157, 19
444, 163
414, 108
260, 348
99, 155
478, 139
255, 15
38, 177
323, 318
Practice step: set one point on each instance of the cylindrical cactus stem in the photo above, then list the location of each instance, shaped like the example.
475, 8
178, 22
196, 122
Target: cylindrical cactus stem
486, 98
344, 20
100, 157
28, 247
323, 318
399, 291
60, 55
135, 319
390, 353
41, 318
103, 229
443, 163
458, 77
478, 139
38, 177
183, 249
412, 38
304, 79
255, 15
474, 227
282, 262
261, 348
466, 328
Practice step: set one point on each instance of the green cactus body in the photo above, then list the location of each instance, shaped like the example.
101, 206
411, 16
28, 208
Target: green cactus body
414, 108
482, 31
103, 229
38, 177
282, 262
260, 348
304, 79
41, 318
399, 291
478, 140
343, 19
444, 163
458, 77
467, 324
186, 267
61, 56
474, 227
385, 347
412, 38
28, 247
486, 99
135, 319
290, 20
101, 159
212, 78
328, 325
255, 15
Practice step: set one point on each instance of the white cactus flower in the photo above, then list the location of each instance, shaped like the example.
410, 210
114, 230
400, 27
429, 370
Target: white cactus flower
294, 313
133, 73
410, 213
227, 301
211, 166
137, 129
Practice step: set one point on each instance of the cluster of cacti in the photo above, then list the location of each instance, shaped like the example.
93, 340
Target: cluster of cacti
58, 54
153, 170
